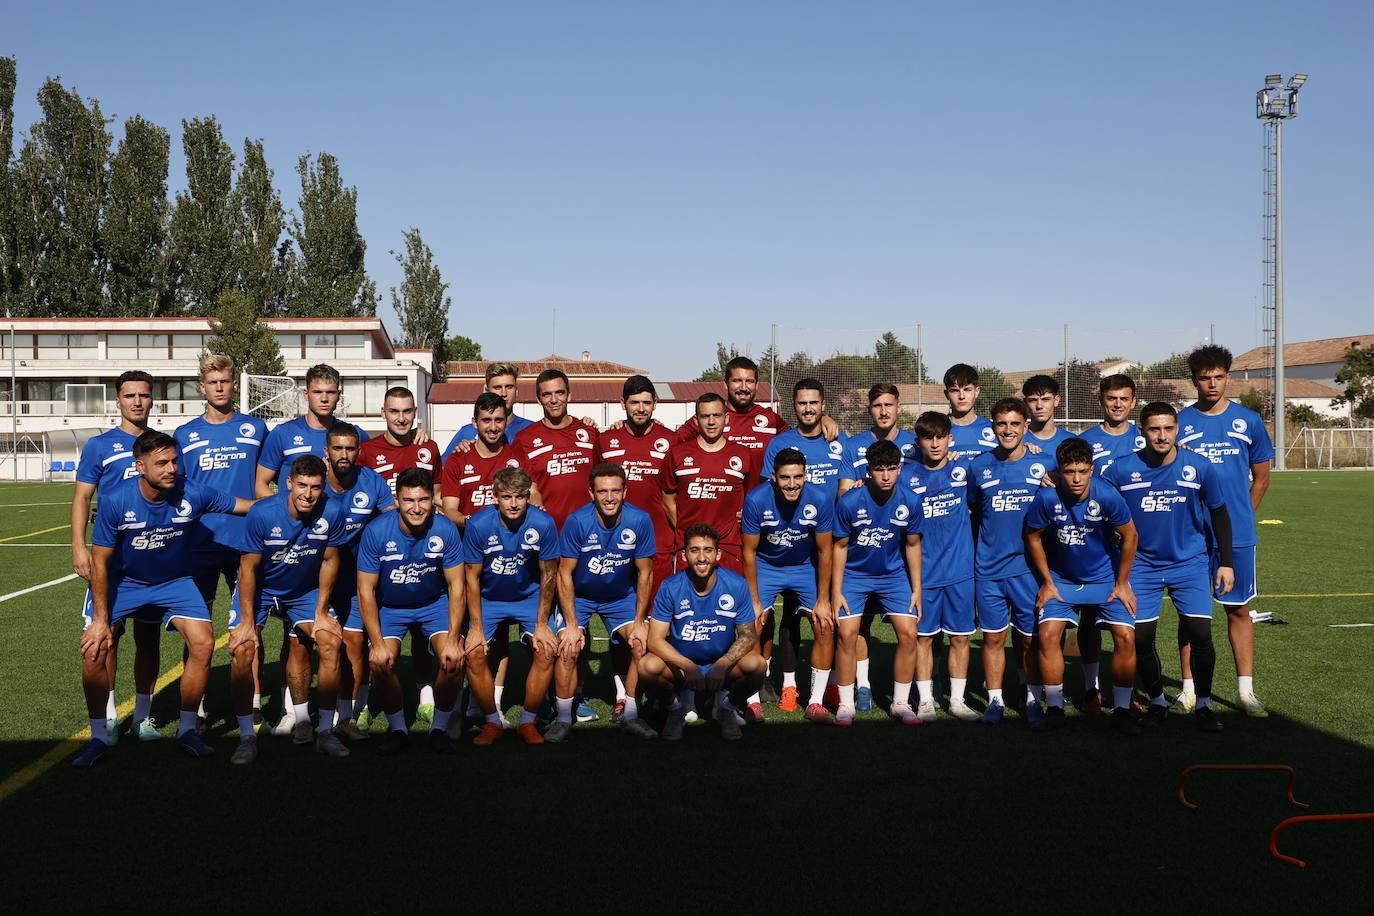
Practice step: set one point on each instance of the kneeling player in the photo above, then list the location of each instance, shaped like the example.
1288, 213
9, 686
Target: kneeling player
1172, 494
703, 636
878, 556
141, 569
1074, 563
788, 544
511, 553
410, 573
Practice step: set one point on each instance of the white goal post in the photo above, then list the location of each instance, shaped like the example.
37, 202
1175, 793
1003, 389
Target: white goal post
278, 397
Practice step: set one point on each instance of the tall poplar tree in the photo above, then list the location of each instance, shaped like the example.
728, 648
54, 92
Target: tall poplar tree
332, 278
204, 218
134, 231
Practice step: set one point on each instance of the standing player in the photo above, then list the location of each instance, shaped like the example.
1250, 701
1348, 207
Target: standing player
510, 550
106, 461
410, 571
141, 567
557, 451
304, 435
1173, 495
706, 479
941, 482
606, 568
1041, 393
502, 380
1007, 479
1075, 565
788, 545
288, 565
747, 422
702, 638
973, 435
1236, 441
877, 555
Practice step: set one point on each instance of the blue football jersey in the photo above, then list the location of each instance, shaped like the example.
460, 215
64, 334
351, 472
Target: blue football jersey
1049, 445
787, 534
292, 550
290, 440
1233, 440
369, 496
877, 532
510, 557
973, 439
855, 466
702, 627
825, 461
1078, 535
152, 540
514, 424
606, 557
946, 526
106, 460
1170, 504
1005, 491
410, 568
1108, 448
223, 456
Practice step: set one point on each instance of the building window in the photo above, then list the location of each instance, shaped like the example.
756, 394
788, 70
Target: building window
292, 346
187, 346
350, 346
364, 396
23, 346
121, 346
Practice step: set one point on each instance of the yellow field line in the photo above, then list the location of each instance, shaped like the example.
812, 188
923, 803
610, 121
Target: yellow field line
69, 746
34, 534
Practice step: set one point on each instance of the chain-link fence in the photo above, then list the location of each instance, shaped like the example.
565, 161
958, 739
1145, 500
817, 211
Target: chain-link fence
1313, 448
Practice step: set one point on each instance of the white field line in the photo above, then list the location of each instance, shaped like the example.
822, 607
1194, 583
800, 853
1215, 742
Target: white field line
33, 588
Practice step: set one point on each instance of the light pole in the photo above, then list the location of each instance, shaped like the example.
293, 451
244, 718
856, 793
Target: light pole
1274, 104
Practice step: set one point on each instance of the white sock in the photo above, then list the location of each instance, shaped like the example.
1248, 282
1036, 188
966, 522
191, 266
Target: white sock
257, 701
847, 695
286, 701
995, 696
1204, 702
345, 710
360, 701
957, 686
396, 721
98, 730
901, 693
111, 709
441, 717
631, 710
187, 723
1245, 686
499, 689
619, 688
862, 679
1054, 693
1090, 675
526, 717
200, 711
326, 721
300, 712
1188, 685
426, 695
687, 698
245, 725
1121, 697
820, 677
789, 679
565, 709
143, 706
754, 699
925, 691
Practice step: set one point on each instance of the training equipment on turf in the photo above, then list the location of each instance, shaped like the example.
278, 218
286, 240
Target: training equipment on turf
273, 397
194, 745
147, 730
1308, 819
1235, 767
246, 752
329, 745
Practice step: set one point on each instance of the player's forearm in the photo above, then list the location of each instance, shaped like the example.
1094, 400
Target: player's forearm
840, 556
1221, 531
671, 657
1259, 484
825, 556
329, 574
262, 485
746, 637
81, 514
100, 587
1130, 541
548, 591
643, 586
670, 509
1036, 551
452, 509
565, 595
536, 499
913, 565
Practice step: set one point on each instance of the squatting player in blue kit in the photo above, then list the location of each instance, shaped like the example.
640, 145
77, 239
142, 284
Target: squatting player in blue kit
702, 637
141, 568
1071, 530
877, 557
1176, 501
787, 527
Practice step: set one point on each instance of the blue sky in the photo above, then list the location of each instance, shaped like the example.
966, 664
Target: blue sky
666, 176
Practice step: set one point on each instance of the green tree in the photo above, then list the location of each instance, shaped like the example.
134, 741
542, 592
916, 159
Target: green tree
262, 258
992, 387
240, 334
716, 373
135, 226
9, 252
204, 219
422, 303
1173, 366
1357, 375
461, 347
333, 277
1078, 392
901, 363
59, 191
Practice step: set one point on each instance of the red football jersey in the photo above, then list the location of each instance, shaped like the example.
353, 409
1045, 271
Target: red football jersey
558, 460
643, 458
710, 487
390, 460
467, 475
753, 429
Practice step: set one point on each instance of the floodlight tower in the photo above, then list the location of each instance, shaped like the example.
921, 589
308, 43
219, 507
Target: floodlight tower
1274, 104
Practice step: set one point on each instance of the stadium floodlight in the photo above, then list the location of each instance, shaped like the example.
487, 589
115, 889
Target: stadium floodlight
1273, 79
1297, 80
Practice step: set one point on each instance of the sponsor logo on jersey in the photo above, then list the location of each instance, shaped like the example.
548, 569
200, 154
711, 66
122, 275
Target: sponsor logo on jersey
245, 429
118, 447
1135, 475
615, 443
727, 601
987, 472
808, 511
435, 544
531, 536
660, 445
276, 531
360, 500
381, 459
958, 475
1189, 472
538, 441
735, 463
130, 516
390, 546
688, 460
1037, 470
1238, 425
194, 436
988, 435
627, 537
1094, 513
423, 455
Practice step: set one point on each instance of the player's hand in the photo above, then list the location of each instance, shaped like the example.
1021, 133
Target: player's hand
544, 640
715, 676
822, 617
692, 678
475, 643
639, 638
421, 437
245, 634
325, 623
830, 430
760, 614
839, 604
1032, 447
81, 562
1126, 595
588, 421
382, 657
95, 642
1047, 594
570, 642
618, 424
914, 606
1226, 580
463, 445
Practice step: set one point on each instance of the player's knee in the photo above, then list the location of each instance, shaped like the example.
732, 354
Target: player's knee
752, 664
651, 666
958, 642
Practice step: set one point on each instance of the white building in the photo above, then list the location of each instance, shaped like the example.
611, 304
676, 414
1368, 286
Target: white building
59, 373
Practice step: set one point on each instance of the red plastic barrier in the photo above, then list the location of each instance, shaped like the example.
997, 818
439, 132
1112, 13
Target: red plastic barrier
1307, 819
1183, 779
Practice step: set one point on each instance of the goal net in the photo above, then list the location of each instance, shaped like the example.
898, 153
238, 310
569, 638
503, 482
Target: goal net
271, 397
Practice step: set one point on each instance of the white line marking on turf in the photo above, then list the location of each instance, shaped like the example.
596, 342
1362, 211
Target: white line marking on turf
33, 588
30, 505
35, 545
1341, 626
